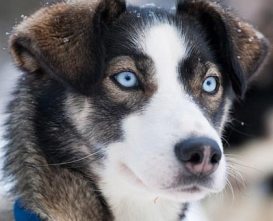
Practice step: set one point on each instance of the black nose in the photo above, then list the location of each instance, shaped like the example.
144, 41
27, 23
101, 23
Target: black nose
201, 156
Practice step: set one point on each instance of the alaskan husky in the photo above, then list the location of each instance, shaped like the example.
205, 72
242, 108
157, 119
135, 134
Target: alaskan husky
119, 111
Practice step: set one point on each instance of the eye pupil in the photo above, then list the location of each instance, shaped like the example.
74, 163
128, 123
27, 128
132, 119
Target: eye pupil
127, 78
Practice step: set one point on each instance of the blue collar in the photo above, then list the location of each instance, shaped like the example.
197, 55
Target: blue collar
22, 214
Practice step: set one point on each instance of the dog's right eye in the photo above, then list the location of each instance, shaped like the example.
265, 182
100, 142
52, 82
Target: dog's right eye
127, 80
211, 85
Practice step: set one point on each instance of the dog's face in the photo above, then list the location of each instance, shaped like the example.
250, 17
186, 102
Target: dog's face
167, 79
156, 88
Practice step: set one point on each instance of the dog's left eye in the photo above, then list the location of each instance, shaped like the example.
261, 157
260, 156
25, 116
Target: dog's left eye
211, 85
127, 79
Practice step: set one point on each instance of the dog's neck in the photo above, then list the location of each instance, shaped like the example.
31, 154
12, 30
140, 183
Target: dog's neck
129, 205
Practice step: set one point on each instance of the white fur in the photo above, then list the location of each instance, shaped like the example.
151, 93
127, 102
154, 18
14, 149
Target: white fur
140, 174
195, 213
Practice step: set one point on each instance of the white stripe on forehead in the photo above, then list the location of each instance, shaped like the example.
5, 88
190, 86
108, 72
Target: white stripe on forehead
166, 46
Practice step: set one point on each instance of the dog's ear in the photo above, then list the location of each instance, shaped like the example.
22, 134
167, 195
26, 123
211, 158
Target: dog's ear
64, 40
239, 48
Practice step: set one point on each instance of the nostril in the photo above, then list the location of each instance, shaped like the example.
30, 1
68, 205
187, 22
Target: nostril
215, 158
196, 158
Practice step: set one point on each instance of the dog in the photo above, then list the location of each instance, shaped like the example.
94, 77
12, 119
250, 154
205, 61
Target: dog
119, 112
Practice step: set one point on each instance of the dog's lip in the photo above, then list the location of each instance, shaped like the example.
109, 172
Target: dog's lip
190, 189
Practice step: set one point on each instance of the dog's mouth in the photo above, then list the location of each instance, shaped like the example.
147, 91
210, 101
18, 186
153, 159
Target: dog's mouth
194, 188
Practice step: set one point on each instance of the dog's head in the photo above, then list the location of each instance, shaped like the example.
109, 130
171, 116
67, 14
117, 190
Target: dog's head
154, 87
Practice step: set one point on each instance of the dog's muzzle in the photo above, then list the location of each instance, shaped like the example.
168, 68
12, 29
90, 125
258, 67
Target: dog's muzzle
200, 156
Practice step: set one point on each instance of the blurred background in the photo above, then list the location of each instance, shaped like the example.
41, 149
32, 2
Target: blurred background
248, 138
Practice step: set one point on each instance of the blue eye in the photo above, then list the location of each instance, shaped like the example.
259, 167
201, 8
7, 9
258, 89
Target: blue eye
127, 79
210, 85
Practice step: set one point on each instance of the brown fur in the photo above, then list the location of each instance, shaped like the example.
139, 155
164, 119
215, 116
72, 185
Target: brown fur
64, 196
55, 33
250, 46
59, 40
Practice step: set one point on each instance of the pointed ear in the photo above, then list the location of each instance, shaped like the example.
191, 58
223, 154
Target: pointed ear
240, 49
64, 40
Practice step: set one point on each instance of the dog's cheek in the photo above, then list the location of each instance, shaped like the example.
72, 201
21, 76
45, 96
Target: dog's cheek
145, 154
220, 176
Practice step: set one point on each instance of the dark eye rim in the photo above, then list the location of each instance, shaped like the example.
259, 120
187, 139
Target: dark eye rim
138, 87
218, 84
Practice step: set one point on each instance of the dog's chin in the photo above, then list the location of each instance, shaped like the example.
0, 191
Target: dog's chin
177, 193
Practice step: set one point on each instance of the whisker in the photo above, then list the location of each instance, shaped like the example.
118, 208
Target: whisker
231, 189
240, 163
98, 154
240, 132
238, 178
226, 141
